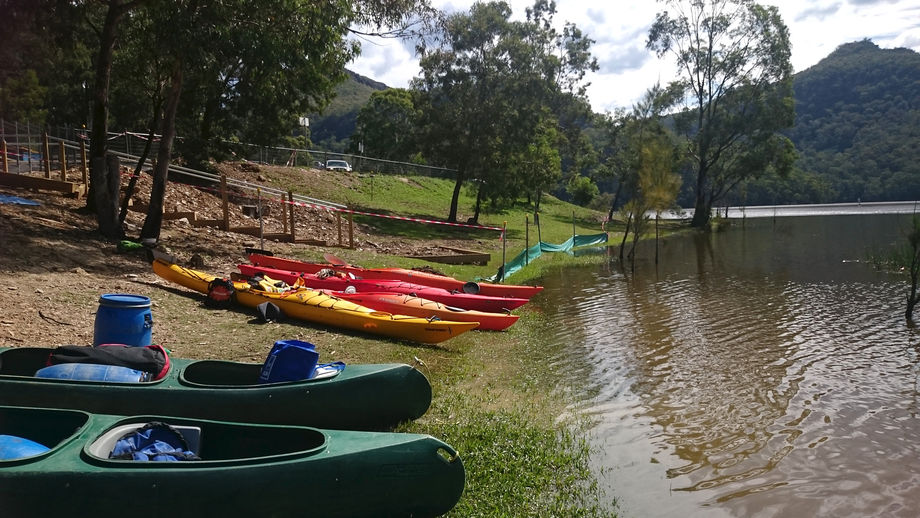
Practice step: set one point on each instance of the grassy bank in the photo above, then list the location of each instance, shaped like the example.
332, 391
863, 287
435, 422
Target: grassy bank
492, 393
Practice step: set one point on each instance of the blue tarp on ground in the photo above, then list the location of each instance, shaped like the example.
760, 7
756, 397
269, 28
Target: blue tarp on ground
6, 198
529, 254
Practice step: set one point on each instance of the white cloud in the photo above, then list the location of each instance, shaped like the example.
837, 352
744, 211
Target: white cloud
620, 30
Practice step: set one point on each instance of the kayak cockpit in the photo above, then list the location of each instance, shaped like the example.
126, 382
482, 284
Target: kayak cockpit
33, 362
215, 442
29, 433
222, 373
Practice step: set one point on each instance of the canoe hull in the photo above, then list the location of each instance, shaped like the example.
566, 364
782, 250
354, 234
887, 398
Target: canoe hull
246, 470
317, 307
361, 397
401, 274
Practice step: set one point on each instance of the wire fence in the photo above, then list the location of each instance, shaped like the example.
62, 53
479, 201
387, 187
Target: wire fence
24, 149
293, 157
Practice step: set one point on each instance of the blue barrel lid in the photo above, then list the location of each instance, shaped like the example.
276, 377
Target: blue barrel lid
124, 300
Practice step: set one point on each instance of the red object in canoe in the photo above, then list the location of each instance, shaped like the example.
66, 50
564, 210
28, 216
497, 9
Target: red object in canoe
337, 283
400, 303
399, 274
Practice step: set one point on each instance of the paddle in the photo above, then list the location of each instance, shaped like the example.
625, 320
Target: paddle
250, 251
334, 261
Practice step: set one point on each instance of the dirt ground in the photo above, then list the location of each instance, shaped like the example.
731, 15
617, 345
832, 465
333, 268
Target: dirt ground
54, 264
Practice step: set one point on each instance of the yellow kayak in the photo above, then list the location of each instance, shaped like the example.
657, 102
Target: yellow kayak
316, 306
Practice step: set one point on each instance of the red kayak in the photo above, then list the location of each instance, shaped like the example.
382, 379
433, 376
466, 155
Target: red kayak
340, 282
400, 274
402, 304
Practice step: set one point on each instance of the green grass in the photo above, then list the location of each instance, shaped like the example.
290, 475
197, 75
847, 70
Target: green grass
524, 450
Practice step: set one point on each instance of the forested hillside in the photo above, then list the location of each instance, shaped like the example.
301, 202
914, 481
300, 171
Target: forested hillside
332, 129
857, 129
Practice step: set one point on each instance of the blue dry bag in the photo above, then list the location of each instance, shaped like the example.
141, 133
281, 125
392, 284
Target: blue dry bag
289, 360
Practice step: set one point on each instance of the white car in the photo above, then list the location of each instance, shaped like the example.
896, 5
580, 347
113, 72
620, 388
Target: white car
338, 165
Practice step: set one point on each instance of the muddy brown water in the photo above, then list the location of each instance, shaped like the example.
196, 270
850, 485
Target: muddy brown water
764, 371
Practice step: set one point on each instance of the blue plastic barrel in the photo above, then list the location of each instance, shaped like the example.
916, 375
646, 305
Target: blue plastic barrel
92, 372
12, 447
123, 319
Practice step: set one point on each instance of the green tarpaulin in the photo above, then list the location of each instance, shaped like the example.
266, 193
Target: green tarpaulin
529, 254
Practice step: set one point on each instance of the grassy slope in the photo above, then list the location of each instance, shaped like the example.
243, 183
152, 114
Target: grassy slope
491, 400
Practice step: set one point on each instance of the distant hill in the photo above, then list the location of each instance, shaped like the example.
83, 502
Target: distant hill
331, 129
857, 129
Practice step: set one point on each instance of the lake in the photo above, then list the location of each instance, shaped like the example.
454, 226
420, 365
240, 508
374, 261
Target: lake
763, 371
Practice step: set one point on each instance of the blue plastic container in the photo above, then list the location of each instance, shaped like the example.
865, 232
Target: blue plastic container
92, 372
123, 319
12, 447
289, 360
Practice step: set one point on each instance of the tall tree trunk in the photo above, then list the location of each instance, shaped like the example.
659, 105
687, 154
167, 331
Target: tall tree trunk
625, 234
475, 219
140, 163
455, 198
98, 144
616, 198
154, 220
107, 197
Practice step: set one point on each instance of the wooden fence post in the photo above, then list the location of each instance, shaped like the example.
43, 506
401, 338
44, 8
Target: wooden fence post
351, 231
63, 163
526, 240
338, 220
46, 155
6, 164
291, 209
226, 202
283, 217
83, 161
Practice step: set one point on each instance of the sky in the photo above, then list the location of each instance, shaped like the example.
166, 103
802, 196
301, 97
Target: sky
620, 30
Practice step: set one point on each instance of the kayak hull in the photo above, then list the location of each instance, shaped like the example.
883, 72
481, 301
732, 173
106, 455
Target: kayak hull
361, 397
468, 301
401, 274
245, 470
317, 307
421, 307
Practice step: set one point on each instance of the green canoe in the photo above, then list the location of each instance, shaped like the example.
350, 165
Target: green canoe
360, 397
246, 469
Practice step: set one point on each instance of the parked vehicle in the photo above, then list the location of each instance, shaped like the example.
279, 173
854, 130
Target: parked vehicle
338, 165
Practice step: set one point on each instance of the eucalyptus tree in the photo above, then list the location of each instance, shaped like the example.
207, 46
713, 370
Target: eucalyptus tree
488, 85
386, 125
255, 65
735, 75
275, 58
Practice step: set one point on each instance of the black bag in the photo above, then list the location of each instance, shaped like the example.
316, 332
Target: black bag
221, 293
152, 358
269, 312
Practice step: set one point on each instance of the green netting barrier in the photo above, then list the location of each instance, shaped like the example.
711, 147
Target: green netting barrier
529, 254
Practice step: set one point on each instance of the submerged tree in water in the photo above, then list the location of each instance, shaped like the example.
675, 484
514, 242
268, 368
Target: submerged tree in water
913, 238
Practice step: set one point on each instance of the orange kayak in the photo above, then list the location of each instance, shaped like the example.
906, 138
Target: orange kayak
400, 274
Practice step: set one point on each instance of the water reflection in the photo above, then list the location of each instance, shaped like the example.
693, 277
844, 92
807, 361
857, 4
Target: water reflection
763, 372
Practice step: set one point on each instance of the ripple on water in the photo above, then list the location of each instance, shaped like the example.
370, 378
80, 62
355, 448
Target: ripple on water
749, 391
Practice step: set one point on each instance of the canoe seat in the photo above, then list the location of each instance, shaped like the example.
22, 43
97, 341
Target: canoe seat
104, 445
